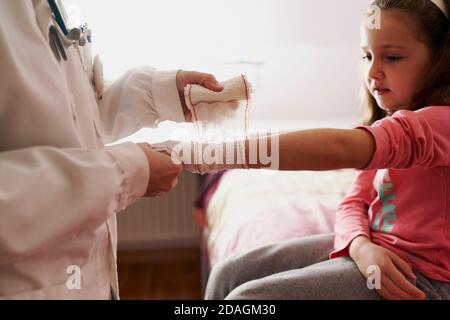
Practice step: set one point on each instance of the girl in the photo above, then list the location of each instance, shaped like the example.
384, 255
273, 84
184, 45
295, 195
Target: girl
394, 224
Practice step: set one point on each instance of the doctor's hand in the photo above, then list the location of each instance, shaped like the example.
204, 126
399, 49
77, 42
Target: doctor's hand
396, 274
191, 77
163, 171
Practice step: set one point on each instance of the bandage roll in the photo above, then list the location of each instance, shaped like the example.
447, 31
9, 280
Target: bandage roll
237, 88
215, 113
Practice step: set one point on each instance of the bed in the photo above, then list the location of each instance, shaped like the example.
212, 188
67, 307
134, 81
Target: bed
241, 210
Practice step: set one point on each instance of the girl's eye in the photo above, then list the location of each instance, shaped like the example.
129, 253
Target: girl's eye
393, 58
366, 57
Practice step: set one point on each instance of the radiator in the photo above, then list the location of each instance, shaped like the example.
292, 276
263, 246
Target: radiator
166, 221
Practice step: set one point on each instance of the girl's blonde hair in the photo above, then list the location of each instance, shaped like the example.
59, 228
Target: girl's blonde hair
434, 30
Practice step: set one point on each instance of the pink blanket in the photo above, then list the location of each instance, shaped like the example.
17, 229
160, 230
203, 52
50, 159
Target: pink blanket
249, 209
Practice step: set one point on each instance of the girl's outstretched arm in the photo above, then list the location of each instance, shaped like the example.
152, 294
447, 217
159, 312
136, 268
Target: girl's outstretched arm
316, 150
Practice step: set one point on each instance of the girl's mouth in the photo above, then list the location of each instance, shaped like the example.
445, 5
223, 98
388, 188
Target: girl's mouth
381, 91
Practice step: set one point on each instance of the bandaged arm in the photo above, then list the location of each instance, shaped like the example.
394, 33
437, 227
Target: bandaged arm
319, 149
408, 139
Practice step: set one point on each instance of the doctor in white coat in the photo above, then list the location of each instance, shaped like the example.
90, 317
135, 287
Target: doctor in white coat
60, 187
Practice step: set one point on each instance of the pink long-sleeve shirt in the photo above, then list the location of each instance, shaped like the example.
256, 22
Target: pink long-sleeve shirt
401, 201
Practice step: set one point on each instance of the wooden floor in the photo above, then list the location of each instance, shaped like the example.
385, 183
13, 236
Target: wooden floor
164, 274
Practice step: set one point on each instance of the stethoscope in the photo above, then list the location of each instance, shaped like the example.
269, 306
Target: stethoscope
78, 36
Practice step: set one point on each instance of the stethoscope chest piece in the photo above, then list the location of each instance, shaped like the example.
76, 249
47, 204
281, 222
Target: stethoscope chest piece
74, 34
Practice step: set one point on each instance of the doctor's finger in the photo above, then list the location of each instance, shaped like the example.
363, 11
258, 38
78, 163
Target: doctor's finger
209, 82
206, 80
174, 183
170, 186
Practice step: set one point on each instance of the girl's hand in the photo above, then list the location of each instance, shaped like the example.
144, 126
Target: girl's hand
394, 270
191, 77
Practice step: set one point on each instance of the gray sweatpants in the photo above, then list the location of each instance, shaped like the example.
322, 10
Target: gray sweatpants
299, 270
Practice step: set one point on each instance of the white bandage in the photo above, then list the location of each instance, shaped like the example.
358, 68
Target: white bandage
215, 113
204, 158
221, 125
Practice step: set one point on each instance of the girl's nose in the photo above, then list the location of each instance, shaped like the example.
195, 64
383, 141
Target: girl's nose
375, 71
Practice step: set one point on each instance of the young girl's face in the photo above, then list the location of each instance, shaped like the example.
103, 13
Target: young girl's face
395, 60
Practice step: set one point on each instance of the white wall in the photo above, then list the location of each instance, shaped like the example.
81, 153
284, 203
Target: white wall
308, 49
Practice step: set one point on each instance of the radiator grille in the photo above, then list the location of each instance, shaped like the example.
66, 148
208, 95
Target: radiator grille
165, 221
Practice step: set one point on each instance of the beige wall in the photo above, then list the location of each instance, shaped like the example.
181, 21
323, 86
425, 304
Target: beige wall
307, 50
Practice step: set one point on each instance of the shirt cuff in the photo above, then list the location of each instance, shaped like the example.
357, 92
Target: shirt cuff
134, 167
166, 97
342, 246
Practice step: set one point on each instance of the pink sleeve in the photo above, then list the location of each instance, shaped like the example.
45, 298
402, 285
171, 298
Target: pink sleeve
408, 139
352, 217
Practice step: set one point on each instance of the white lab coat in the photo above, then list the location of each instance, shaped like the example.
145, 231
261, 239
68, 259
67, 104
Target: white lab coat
60, 188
